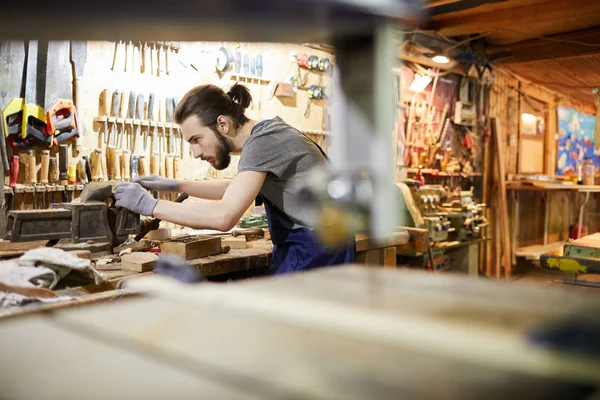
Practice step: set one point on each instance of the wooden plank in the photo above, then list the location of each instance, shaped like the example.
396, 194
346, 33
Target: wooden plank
502, 204
21, 246
419, 241
139, 262
234, 242
192, 248
365, 242
538, 49
542, 18
531, 160
534, 252
389, 257
94, 298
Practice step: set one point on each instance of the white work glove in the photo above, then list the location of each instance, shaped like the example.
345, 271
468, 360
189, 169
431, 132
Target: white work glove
155, 182
135, 198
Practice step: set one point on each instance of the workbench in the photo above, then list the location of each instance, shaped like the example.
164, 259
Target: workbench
252, 261
534, 252
342, 332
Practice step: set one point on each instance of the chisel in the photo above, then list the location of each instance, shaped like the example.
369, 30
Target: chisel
149, 118
147, 59
169, 109
134, 167
45, 165
139, 115
14, 172
112, 144
88, 170
63, 168
31, 175
72, 174
163, 139
82, 176
53, 172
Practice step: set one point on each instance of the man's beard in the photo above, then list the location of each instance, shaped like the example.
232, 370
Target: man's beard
223, 156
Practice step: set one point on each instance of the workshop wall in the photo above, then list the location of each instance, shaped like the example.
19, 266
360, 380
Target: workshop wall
511, 96
195, 65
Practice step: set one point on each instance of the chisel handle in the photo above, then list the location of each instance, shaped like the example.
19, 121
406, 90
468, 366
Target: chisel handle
176, 161
45, 166
53, 170
155, 164
169, 166
72, 174
143, 166
63, 163
14, 171
96, 165
116, 164
31, 173
126, 165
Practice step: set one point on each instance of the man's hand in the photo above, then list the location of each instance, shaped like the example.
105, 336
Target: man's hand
155, 182
135, 198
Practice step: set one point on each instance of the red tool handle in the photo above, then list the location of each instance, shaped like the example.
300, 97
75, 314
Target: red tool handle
14, 171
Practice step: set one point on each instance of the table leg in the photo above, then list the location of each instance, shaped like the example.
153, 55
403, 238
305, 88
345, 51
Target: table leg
581, 211
546, 216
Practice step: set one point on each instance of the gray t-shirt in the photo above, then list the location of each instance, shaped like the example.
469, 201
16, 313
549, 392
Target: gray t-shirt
286, 155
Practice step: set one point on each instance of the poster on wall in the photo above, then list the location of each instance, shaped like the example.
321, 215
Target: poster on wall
575, 140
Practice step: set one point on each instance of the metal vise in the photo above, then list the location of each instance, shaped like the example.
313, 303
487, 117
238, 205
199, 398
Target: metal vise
94, 218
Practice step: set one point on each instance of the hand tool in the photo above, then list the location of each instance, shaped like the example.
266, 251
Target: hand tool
78, 60
129, 58
53, 172
161, 60
147, 59
136, 59
154, 56
72, 174
143, 165
45, 165
96, 165
134, 166
12, 65
90, 219
155, 156
87, 169
150, 116
119, 56
126, 165
169, 108
163, 140
58, 72
238, 62
31, 175
246, 64
63, 167
130, 116
105, 110
14, 173
112, 144
61, 121
138, 146
168, 59
183, 146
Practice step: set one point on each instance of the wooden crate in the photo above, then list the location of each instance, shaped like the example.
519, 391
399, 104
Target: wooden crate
190, 248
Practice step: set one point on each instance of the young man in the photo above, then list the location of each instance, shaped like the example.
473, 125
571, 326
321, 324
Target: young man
273, 154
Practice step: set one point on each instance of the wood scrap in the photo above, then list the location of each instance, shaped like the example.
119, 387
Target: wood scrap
234, 242
190, 248
139, 262
502, 202
41, 293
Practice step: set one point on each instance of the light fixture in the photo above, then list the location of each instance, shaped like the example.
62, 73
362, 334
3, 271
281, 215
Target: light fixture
419, 83
440, 59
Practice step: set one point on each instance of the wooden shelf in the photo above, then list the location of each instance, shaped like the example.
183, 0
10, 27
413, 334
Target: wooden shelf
429, 171
241, 77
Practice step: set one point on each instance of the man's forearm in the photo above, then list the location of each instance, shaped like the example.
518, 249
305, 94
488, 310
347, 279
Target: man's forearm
204, 215
207, 189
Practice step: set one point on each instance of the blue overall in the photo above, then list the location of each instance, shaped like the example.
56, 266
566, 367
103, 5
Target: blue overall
299, 249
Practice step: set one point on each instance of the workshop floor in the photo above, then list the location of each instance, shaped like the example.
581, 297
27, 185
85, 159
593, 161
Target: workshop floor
529, 273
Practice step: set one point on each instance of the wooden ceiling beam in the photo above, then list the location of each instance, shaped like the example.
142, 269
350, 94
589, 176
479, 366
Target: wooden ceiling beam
547, 49
520, 18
